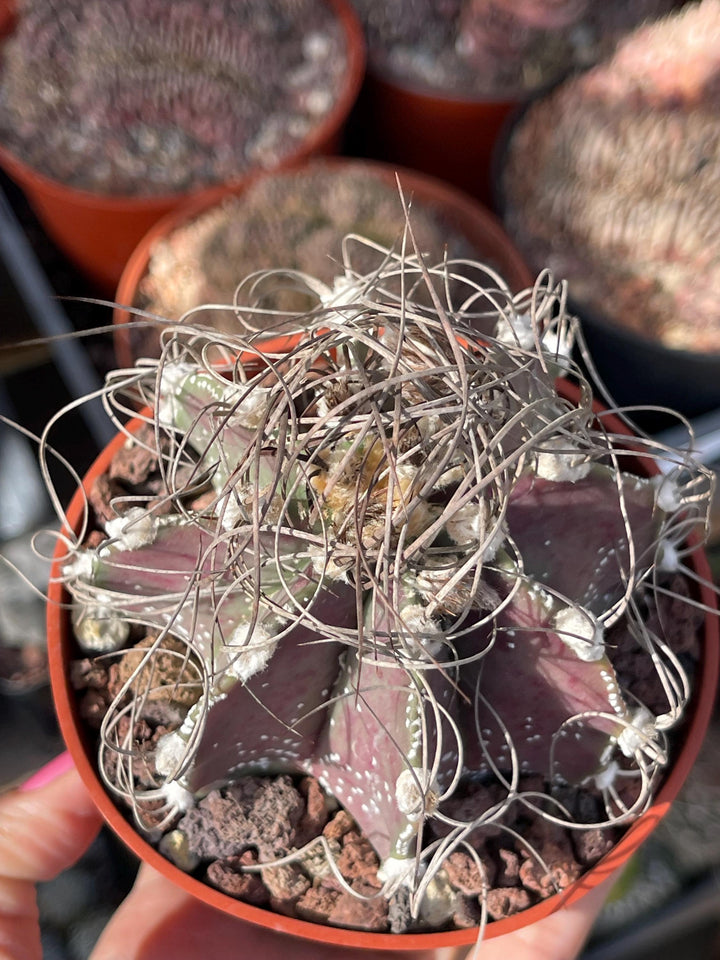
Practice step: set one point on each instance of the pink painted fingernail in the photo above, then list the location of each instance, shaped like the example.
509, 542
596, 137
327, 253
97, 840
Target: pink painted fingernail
55, 768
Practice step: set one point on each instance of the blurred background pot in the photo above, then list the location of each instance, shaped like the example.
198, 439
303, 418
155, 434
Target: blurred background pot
97, 227
78, 737
611, 181
298, 217
442, 78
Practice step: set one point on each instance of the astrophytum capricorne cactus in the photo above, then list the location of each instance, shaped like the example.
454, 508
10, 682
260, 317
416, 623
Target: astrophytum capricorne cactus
390, 557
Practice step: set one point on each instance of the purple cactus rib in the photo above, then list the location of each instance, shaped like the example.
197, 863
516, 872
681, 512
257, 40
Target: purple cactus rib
202, 590
573, 538
273, 720
535, 683
374, 734
178, 554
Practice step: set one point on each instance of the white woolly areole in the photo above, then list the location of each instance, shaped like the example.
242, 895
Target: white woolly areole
229, 510
81, 567
136, 528
582, 632
425, 634
170, 751
558, 346
516, 331
251, 409
410, 793
637, 732
250, 650
397, 869
325, 565
178, 796
343, 292
667, 557
562, 461
473, 523
606, 777
668, 495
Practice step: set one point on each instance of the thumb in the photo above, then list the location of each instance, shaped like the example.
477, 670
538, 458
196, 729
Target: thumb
43, 830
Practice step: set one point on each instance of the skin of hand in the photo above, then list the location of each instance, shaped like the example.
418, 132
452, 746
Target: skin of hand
48, 824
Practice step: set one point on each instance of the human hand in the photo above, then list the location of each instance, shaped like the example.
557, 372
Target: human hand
47, 826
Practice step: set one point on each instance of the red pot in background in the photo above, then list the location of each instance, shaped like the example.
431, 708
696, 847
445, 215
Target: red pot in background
460, 212
78, 740
98, 232
446, 136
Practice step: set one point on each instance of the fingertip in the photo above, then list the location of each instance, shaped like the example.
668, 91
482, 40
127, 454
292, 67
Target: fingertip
49, 772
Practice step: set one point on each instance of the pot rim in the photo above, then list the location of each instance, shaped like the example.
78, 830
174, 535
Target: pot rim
34, 181
425, 92
461, 211
690, 737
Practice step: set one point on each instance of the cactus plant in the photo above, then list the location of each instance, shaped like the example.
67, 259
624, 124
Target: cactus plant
299, 218
621, 194
390, 562
492, 48
154, 98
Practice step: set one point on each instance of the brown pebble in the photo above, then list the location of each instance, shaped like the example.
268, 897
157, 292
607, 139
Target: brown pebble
592, 844
465, 875
285, 883
133, 463
318, 903
324, 903
170, 676
227, 876
507, 901
358, 860
467, 913
102, 494
508, 874
88, 674
340, 824
316, 811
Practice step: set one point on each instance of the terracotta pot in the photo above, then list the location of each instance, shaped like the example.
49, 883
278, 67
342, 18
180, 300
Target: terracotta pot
687, 746
460, 212
98, 232
446, 136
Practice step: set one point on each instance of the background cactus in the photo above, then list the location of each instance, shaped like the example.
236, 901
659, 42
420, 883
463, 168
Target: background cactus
130, 98
495, 47
611, 180
343, 569
298, 218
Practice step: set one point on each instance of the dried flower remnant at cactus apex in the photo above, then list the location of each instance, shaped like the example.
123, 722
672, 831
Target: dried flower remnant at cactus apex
365, 539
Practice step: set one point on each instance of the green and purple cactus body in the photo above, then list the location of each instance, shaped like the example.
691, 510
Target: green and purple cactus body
586, 538
544, 697
428, 547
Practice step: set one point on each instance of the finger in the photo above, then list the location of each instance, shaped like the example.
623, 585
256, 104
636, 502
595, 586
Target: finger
42, 831
158, 919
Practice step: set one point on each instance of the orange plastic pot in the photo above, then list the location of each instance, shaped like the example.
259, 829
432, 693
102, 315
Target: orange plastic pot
462, 214
447, 136
687, 747
98, 232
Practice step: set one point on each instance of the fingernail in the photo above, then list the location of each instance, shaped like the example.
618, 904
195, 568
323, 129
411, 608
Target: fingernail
55, 768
